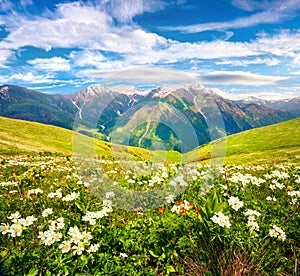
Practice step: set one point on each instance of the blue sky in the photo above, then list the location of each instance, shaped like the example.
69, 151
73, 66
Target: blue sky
237, 47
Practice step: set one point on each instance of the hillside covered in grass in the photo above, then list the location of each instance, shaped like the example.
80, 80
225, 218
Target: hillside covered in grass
18, 136
275, 143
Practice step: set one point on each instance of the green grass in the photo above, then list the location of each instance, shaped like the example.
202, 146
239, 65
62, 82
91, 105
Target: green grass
275, 143
271, 144
18, 136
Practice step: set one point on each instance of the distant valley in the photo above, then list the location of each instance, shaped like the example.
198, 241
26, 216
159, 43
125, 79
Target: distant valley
154, 112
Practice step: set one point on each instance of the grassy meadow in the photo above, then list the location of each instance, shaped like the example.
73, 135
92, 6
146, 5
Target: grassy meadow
149, 215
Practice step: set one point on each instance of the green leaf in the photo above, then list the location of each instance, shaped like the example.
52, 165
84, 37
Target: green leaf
33, 272
170, 269
80, 206
153, 254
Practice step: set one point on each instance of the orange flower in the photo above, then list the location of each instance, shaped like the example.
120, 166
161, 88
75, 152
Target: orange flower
182, 211
161, 210
191, 204
179, 202
197, 211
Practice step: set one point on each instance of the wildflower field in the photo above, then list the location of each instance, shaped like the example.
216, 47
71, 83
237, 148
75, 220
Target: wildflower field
211, 220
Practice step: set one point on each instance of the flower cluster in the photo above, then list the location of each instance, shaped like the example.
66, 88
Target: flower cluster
91, 217
16, 228
221, 219
35, 191
235, 203
295, 195
57, 193
182, 206
252, 223
71, 197
246, 179
277, 232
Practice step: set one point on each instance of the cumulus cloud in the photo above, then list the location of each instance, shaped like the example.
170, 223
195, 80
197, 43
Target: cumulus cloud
103, 39
125, 10
87, 58
240, 78
77, 25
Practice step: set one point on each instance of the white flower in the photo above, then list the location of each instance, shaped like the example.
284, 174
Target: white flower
277, 232
252, 223
235, 203
175, 209
47, 212
15, 230
4, 228
124, 255
14, 216
28, 221
35, 191
86, 236
273, 233
221, 219
93, 248
164, 174
107, 203
65, 246
169, 198
76, 238
73, 231
57, 194
78, 248
71, 197
251, 212
60, 223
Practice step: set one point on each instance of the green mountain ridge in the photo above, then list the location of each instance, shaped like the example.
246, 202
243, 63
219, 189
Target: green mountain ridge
184, 118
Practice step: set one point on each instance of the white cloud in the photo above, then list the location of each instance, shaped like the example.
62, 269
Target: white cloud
295, 73
29, 77
240, 78
77, 25
125, 10
106, 47
25, 3
151, 75
272, 12
249, 21
259, 95
5, 54
5, 5
87, 58
246, 62
251, 5
51, 64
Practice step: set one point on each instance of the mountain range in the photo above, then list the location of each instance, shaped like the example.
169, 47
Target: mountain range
179, 118
291, 105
